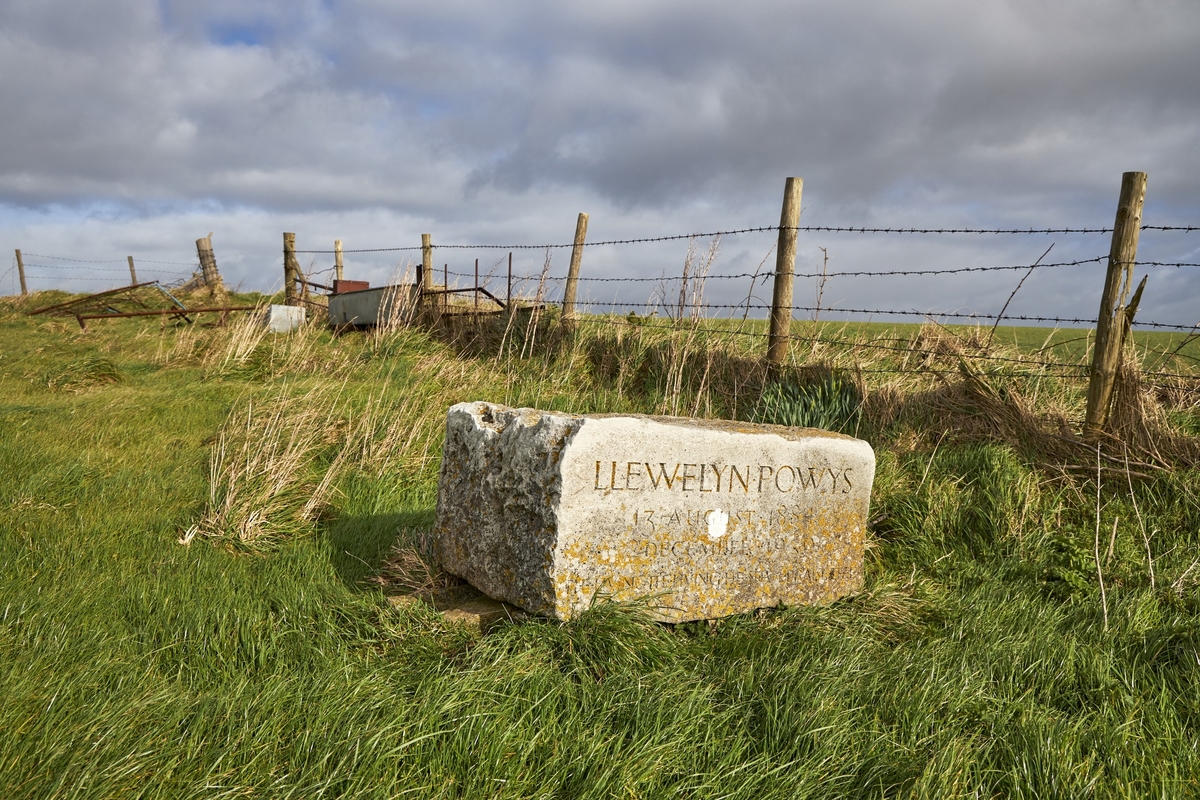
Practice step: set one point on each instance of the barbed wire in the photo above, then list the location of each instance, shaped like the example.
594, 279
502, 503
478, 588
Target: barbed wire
111, 260
367, 250
863, 345
763, 229
845, 274
689, 308
49, 277
106, 269
695, 235
1082, 370
78, 260
731, 232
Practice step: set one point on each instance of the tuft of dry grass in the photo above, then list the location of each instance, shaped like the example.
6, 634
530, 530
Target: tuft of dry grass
266, 482
412, 568
84, 373
1139, 421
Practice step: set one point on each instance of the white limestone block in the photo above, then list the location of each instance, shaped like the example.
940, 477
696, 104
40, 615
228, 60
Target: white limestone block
698, 518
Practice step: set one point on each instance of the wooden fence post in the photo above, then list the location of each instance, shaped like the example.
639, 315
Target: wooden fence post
21, 274
208, 263
508, 297
1115, 317
568, 307
426, 263
337, 259
785, 268
132, 271
291, 270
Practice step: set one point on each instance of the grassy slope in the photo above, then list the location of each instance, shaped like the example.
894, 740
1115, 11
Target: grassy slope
975, 663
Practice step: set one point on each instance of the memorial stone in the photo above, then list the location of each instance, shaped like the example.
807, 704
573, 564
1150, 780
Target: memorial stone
697, 518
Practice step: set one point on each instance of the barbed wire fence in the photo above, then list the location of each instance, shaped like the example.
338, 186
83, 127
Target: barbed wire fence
93, 270
733, 318
644, 312
1116, 318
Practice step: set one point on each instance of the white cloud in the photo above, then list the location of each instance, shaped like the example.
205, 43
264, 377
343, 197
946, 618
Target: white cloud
132, 123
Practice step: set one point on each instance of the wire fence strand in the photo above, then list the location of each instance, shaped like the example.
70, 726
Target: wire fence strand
767, 229
1078, 369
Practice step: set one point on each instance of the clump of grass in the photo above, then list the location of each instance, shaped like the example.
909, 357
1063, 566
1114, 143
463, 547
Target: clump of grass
83, 373
237, 347
1141, 423
266, 478
411, 567
832, 402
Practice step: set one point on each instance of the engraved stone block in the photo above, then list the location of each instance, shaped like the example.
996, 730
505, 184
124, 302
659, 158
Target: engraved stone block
698, 518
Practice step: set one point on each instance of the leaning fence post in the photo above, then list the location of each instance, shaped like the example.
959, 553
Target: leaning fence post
21, 274
568, 307
208, 261
132, 272
785, 268
337, 259
291, 270
1111, 322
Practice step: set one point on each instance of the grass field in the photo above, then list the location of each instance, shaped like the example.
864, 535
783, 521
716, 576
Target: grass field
194, 522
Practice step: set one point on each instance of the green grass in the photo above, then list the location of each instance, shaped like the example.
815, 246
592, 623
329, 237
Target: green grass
975, 663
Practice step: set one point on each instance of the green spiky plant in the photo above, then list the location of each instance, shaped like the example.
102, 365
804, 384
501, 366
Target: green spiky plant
832, 403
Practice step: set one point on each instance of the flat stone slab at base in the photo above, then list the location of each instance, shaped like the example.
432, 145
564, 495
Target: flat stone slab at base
466, 606
550, 511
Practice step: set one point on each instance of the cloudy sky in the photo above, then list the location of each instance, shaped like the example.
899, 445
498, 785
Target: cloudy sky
133, 127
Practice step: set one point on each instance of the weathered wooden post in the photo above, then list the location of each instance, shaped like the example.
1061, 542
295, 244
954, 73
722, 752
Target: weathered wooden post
476, 290
426, 263
132, 272
337, 259
21, 274
1115, 317
208, 262
291, 270
508, 297
568, 307
785, 268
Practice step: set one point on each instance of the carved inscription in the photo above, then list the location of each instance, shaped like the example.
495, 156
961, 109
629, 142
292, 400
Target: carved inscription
679, 580
654, 520
647, 476
672, 548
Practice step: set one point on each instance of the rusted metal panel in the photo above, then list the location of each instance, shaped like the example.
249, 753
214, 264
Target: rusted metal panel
343, 286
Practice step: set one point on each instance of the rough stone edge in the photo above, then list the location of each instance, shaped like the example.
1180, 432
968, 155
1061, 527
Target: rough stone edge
492, 423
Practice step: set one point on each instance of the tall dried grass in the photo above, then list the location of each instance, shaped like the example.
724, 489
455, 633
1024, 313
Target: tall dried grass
266, 482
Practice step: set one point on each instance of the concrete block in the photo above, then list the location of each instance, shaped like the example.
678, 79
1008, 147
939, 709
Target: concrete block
285, 319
